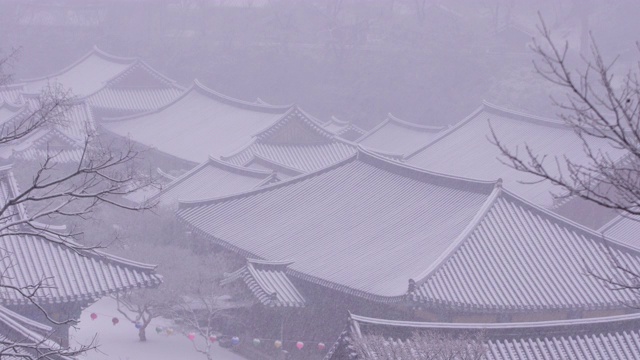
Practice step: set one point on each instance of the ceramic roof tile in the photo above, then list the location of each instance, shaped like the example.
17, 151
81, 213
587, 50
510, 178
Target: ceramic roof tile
519, 256
624, 228
615, 337
198, 124
356, 246
33, 336
69, 275
467, 149
107, 82
85, 76
211, 179
269, 283
297, 142
468, 245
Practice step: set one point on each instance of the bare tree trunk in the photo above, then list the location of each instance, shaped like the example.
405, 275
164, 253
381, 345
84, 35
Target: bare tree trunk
142, 333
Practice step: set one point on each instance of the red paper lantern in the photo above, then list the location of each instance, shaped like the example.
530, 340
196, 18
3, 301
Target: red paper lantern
115, 321
94, 316
213, 338
191, 336
299, 345
321, 346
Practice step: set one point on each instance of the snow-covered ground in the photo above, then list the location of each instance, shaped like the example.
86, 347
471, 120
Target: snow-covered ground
120, 342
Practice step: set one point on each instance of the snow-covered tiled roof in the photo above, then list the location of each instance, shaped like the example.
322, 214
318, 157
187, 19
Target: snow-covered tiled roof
296, 141
269, 283
211, 179
518, 256
85, 76
614, 337
377, 235
624, 228
72, 132
198, 124
67, 274
396, 232
11, 93
30, 337
116, 84
466, 149
399, 137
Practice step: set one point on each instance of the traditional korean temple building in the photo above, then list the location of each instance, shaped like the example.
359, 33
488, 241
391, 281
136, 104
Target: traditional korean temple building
111, 85
397, 136
431, 246
614, 337
198, 124
296, 143
211, 179
466, 149
72, 278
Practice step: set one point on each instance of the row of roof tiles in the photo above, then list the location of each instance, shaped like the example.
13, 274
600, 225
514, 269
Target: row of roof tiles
67, 274
616, 337
474, 247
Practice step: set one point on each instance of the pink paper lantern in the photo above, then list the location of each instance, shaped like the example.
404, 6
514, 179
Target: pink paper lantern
94, 316
115, 321
321, 346
299, 345
191, 336
213, 338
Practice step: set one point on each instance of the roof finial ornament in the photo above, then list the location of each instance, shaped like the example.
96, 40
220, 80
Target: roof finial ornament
412, 286
499, 183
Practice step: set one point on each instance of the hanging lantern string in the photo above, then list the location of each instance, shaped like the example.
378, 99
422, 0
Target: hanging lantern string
259, 338
288, 341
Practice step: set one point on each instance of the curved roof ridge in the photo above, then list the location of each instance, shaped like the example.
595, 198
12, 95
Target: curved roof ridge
448, 131
413, 125
165, 174
386, 154
579, 227
193, 203
200, 88
611, 223
125, 261
362, 151
83, 251
495, 325
471, 226
197, 85
313, 122
21, 324
334, 120
154, 73
17, 108
6, 313
94, 51
273, 162
242, 169
270, 262
186, 92
217, 163
520, 115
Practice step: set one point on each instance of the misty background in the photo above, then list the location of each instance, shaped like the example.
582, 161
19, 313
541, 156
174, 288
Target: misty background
425, 61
